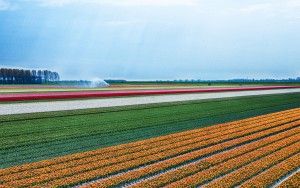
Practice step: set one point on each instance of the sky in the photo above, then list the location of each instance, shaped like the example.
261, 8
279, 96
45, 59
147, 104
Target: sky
152, 39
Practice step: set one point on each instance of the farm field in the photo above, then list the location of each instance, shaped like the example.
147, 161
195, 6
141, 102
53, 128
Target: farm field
9, 89
125, 93
33, 137
115, 87
238, 153
149, 94
55, 88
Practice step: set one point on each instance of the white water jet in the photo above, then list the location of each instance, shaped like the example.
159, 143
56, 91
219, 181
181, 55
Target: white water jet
97, 82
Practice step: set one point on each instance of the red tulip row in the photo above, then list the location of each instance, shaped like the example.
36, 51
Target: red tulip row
293, 181
270, 176
278, 148
113, 151
182, 172
246, 172
47, 169
114, 165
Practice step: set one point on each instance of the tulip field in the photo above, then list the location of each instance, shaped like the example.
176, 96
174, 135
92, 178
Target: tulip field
249, 141
121, 93
251, 152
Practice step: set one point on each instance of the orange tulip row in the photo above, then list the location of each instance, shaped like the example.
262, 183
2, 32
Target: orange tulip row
204, 176
270, 176
193, 168
103, 169
135, 146
213, 160
79, 168
293, 181
176, 174
246, 172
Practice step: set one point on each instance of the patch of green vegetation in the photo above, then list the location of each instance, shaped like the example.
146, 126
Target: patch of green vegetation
33, 137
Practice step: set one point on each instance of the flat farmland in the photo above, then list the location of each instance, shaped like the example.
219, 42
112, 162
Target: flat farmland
239, 153
51, 95
248, 141
5, 89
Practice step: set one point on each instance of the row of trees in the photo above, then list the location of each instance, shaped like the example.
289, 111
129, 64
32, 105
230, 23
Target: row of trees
21, 76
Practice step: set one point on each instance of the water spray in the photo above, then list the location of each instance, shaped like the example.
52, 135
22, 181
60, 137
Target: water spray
97, 82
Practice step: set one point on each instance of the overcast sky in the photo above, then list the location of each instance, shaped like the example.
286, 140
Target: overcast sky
153, 39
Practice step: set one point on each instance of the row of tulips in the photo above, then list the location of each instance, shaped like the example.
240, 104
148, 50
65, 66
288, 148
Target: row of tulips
156, 167
293, 181
133, 160
268, 177
106, 162
192, 168
136, 146
205, 176
89, 94
250, 170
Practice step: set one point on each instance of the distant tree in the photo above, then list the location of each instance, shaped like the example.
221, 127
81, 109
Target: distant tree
21, 76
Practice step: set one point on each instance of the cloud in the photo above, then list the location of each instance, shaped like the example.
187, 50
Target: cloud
256, 7
293, 3
5, 5
275, 7
118, 2
121, 22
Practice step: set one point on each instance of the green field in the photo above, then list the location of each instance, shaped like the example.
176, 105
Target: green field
33, 137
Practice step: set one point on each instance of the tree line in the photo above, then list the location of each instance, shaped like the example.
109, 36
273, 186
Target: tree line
22, 76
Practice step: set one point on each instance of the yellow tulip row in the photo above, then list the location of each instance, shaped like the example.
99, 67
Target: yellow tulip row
270, 176
204, 176
194, 167
242, 174
293, 181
